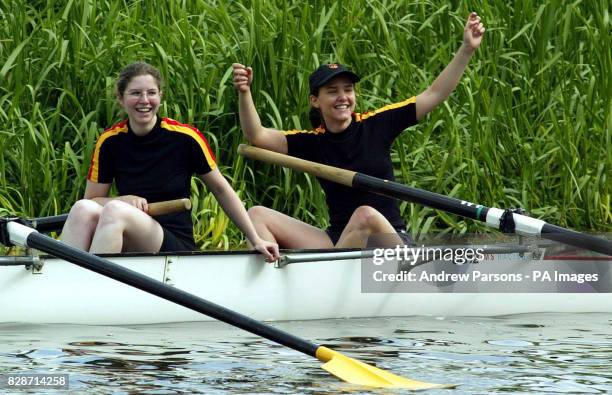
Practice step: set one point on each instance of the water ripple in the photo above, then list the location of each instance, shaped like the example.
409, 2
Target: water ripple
556, 353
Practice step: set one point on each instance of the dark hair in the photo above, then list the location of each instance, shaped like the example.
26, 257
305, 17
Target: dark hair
315, 117
314, 114
134, 70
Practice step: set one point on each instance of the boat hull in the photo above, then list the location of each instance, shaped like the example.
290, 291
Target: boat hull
60, 292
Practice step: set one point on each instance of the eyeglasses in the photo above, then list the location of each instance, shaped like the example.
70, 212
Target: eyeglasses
144, 94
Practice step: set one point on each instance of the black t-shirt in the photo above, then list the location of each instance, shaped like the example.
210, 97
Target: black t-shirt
157, 166
364, 147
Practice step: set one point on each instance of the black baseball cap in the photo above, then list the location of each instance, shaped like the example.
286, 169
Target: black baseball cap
326, 72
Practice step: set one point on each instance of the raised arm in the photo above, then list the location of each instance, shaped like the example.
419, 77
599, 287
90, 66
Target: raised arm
233, 207
254, 132
447, 81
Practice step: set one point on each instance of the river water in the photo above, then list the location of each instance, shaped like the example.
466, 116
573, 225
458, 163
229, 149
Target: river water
543, 353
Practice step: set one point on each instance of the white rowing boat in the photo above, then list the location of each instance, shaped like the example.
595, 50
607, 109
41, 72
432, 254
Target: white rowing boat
323, 287
315, 285
239, 287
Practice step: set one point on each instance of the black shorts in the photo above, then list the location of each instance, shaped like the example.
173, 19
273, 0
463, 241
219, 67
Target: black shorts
402, 233
173, 243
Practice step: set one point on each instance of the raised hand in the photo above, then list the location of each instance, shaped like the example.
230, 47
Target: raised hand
243, 76
473, 31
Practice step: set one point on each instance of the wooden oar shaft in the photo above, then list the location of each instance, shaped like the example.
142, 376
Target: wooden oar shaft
169, 206
55, 222
341, 176
362, 181
491, 216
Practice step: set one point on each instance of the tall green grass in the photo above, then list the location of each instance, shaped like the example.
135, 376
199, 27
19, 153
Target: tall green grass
529, 124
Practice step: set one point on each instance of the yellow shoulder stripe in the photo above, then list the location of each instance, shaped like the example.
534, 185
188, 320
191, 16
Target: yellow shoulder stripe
95, 160
363, 116
318, 130
172, 125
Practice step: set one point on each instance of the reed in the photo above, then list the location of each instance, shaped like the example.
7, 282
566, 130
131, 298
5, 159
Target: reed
528, 126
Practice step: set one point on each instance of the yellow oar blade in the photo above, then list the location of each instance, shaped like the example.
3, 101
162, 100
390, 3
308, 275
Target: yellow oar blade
356, 372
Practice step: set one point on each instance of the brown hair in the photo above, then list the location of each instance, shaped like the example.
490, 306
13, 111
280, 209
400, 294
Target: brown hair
314, 114
315, 117
134, 70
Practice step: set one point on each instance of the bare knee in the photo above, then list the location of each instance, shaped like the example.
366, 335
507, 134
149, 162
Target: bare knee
81, 223
366, 218
114, 213
259, 214
86, 211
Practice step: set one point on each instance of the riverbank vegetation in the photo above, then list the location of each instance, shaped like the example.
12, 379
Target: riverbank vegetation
529, 125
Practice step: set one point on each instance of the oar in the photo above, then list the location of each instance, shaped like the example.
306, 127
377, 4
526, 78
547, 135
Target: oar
368, 254
56, 222
523, 224
347, 369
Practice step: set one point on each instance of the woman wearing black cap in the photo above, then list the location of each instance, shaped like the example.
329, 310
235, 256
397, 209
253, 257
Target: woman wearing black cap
356, 141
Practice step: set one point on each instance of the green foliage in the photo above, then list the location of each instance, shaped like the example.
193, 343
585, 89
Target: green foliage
529, 125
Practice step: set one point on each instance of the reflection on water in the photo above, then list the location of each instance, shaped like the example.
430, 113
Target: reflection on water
550, 353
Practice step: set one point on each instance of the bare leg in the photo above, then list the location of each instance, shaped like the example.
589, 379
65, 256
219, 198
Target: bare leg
81, 224
123, 227
364, 222
286, 231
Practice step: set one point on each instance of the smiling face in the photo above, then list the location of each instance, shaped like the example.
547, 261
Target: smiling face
336, 101
140, 100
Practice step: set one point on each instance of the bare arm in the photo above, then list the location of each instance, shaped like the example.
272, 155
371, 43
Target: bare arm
254, 132
447, 81
97, 192
233, 207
